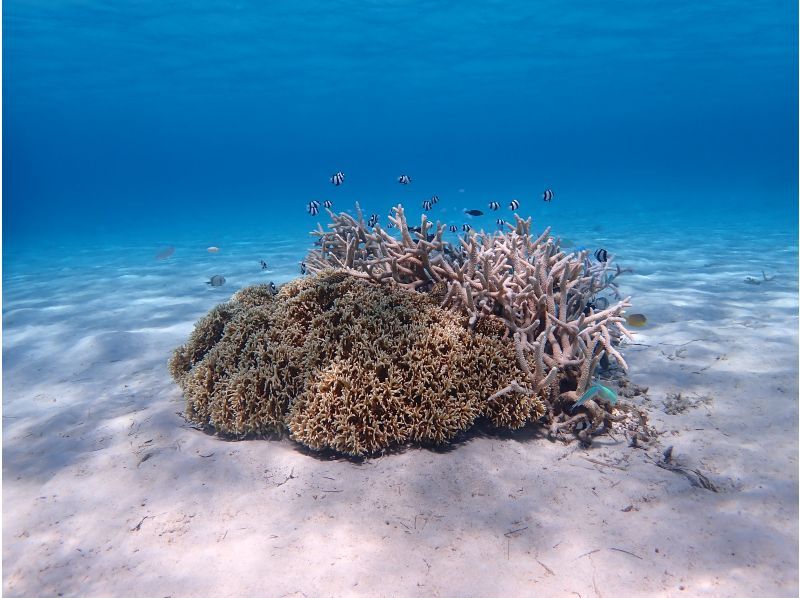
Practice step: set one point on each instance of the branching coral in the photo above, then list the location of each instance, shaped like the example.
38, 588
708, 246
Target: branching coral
542, 295
348, 364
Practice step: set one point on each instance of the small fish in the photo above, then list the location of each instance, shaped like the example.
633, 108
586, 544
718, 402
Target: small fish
589, 306
434, 199
216, 280
303, 268
404, 179
473, 212
514, 205
601, 255
327, 203
373, 220
312, 208
500, 222
427, 205
165, 253
390, 224
415, 229
494, 205
453, 228
338, 178
636, 320
547, 195
272, 288
263, 264
213, 250
595, 390
466, 228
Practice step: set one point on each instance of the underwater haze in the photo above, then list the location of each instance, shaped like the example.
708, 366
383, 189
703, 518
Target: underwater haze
166, 120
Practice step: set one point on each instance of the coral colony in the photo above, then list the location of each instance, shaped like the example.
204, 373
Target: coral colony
410, 339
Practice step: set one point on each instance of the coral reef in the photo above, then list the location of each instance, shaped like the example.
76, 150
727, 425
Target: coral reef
348, 364
543, 297
411, 338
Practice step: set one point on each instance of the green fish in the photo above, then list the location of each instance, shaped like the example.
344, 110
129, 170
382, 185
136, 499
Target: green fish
594, 390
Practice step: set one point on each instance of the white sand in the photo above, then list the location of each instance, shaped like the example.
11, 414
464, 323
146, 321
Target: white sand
106, 490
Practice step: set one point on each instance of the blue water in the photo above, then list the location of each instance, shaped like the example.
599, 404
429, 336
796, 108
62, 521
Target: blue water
149, 121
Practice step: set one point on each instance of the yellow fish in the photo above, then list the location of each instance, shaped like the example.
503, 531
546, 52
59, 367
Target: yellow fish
636, 320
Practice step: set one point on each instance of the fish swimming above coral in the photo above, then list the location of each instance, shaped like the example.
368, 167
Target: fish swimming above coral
216, 281
313, 207
473, 212
514, 205
404, 179
547, 195
338, 178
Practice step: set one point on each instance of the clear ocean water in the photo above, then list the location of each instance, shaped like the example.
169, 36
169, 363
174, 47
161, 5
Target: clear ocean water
134, 123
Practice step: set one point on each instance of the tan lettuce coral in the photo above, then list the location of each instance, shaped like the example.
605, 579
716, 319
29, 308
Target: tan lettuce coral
347, 364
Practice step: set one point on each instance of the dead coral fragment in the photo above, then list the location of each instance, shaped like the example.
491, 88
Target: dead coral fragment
349, 365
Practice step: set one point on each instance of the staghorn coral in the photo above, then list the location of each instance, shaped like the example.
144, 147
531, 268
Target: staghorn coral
542, 296
346, 364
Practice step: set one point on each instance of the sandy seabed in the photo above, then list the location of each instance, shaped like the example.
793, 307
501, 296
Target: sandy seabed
108, 491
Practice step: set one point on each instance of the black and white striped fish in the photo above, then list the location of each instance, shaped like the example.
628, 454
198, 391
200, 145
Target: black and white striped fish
434, 199
272, 288
404, 179
513, 205
494, 205
547, 195
453, 228
601, 255
327, 203
313, 208
303, 268
466, 228
427, 205
390, 224
500, 222
373, 220
338, 178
